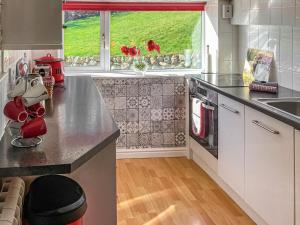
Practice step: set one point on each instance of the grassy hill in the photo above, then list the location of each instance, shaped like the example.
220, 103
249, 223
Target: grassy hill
172, 30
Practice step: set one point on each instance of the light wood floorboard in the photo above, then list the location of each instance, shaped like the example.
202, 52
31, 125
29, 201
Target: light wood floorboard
172, 191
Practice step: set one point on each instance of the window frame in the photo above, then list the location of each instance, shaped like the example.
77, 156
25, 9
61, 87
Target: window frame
104, 39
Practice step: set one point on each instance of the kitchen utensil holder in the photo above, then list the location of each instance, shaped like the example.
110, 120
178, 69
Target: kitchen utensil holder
11, 201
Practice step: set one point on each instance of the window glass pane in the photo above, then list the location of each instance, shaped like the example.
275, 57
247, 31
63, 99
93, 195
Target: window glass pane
82, 38
178, 35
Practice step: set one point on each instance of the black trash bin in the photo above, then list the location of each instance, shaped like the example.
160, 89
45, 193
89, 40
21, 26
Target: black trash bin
55, 200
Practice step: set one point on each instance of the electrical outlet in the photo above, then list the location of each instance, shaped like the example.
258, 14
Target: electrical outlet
227, 11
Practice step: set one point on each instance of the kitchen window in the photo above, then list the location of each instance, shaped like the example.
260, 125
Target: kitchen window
95, 34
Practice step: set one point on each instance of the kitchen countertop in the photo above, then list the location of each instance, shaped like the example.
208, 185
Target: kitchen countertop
79, 126
244, 96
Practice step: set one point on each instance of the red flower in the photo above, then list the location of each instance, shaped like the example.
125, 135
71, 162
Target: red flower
133, 51
125, 50
151, 45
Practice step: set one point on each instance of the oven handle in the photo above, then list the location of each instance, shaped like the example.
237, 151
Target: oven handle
229, 109
199, 97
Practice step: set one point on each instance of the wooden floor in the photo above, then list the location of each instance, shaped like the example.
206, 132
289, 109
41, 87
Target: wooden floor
167, 191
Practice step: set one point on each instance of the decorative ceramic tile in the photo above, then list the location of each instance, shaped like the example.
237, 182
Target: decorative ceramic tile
168, 126
120, 103
145, 81
156, 127
120, 90
122, 126
144, 114
156, 114
144, 90
168, 114
132, 115
109, 103
144, 127
107, 82
179, 101
144, 102
156, 81
144, 140
180, 125
179, 80
132, 81
156, 102
108, 91
132, 102
180, 139
121, 141
132, 90
156, 140
180, 113
120, 115
132, 140
156, 89
120, 81
132, 127
150, 112
169, 139
168, 89
168, 80
179, 89
168, 101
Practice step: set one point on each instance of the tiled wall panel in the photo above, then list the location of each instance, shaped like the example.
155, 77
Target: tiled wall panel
150, 112
283, 41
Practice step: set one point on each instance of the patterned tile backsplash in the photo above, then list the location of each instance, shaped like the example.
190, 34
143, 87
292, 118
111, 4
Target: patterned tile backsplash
150, 112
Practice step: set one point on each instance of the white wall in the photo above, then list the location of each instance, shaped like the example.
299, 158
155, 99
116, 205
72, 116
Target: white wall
221, 36
272, 25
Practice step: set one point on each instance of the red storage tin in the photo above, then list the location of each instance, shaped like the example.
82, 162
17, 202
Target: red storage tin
56, 65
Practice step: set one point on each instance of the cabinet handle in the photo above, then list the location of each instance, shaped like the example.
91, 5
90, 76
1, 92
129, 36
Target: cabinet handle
265, 127
229, 109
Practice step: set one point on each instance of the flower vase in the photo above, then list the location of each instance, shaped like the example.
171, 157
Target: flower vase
140, 67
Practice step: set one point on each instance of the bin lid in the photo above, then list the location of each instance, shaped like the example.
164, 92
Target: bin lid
54, 200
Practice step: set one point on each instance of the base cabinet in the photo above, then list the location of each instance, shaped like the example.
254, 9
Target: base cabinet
231, 160
269, 167
297, 176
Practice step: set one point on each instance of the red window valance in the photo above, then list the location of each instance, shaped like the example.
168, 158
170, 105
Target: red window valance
134, 6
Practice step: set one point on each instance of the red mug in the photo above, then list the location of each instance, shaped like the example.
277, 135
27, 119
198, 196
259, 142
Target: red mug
15, 110
33, 128
36, 110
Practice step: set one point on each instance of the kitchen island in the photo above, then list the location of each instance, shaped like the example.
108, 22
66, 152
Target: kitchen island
80, 143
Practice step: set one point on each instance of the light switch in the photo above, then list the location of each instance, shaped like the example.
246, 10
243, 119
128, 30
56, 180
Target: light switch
227, 11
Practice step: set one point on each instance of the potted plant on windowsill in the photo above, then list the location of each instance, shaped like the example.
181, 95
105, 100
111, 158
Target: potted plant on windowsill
139, 64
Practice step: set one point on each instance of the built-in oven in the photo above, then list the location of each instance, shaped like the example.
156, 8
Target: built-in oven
203, 113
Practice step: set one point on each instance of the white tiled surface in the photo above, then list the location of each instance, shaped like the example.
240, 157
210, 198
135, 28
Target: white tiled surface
284, 41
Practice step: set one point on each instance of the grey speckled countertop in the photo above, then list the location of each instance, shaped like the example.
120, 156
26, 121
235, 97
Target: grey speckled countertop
79, 126
244, 96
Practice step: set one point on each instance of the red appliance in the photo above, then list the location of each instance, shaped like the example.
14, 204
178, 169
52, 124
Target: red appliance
56, 65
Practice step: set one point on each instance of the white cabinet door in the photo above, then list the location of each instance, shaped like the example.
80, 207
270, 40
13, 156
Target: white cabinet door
31, 24
297, 175
231, 160
269, 167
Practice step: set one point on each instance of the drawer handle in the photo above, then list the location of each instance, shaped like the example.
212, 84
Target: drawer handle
229, 109
265, 127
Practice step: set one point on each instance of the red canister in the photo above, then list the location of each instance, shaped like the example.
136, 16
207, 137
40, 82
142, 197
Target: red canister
56, 65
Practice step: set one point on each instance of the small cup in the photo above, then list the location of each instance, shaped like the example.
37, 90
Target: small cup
15, 110
33, 128
36, 110
35, 93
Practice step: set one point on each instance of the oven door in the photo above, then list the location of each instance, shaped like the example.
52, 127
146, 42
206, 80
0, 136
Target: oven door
204, 123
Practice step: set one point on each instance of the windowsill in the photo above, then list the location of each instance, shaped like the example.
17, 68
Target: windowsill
131, 74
